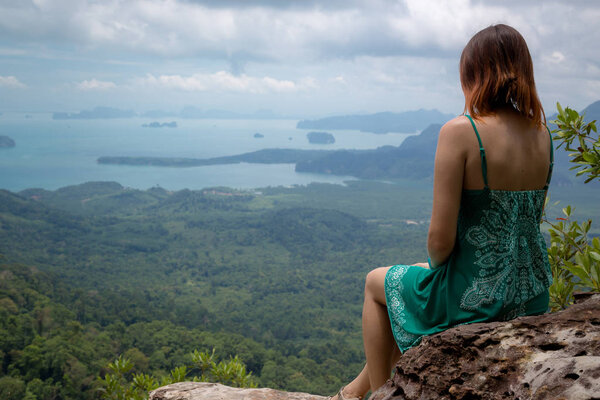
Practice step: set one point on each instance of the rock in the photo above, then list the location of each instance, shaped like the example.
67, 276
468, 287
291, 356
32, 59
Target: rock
216, 391
550, 356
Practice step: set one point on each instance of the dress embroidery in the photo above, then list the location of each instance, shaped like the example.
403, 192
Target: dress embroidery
508, 248
393, 280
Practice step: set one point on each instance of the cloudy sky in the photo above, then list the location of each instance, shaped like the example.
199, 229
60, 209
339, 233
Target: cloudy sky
296, 57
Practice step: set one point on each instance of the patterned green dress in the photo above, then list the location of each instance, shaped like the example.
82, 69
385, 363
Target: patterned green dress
498, 269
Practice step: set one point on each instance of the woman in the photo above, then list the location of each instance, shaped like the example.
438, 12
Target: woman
487, 258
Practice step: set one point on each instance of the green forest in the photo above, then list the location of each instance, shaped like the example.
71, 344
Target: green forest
273, 276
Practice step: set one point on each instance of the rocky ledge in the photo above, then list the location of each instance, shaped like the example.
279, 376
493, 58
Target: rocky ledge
216, 391
550, 356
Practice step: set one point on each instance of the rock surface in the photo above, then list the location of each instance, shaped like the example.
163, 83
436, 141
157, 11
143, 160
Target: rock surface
551, 356
216, 391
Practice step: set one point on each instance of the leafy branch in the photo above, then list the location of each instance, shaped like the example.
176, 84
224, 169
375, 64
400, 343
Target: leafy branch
574, 260
572, 128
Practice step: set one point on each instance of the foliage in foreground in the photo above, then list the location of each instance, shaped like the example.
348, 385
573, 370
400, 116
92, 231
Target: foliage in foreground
120, 383
574, 258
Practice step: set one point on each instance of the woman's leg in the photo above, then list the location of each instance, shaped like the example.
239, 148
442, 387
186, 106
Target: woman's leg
360, 386
377, 332
380, 347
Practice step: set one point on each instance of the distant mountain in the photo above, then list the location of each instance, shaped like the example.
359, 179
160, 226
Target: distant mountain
592, 111
96, 113
383, 122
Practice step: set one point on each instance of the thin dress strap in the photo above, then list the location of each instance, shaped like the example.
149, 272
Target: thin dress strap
481, 152
551, 160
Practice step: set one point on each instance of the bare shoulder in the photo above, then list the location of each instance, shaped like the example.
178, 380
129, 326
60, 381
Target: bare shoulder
457, 132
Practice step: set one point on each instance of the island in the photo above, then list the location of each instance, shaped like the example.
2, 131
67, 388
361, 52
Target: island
320, 138
6, 142
259, 135
265, 156
156, 124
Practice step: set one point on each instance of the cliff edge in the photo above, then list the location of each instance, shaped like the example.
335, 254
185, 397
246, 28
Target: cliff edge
216, 391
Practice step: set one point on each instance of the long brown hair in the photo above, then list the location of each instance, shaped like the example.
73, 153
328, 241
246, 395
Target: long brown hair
496, 71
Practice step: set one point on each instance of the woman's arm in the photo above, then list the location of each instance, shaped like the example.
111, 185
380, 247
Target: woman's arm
450, 158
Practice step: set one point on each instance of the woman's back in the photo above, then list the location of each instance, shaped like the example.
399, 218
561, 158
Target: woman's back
517, 153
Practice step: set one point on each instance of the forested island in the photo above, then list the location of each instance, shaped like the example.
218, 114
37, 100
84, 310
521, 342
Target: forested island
320, 137
6, 142
266, 156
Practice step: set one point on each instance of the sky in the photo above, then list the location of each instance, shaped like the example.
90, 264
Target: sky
299, 58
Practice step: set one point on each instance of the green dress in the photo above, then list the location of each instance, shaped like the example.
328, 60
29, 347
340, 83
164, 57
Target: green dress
498, 269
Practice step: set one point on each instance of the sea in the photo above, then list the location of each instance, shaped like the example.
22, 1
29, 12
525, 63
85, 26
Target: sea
51, 154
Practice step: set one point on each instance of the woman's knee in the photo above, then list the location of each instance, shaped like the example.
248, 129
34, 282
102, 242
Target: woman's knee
375, 283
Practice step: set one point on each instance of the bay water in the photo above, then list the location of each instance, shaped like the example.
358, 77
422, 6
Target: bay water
50, 154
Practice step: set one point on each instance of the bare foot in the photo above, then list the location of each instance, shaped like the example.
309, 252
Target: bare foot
344, 394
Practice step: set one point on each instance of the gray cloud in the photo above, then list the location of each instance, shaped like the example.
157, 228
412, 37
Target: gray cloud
383, 48
260, 30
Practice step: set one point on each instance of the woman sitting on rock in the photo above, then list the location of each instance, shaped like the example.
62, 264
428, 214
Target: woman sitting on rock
487, 258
